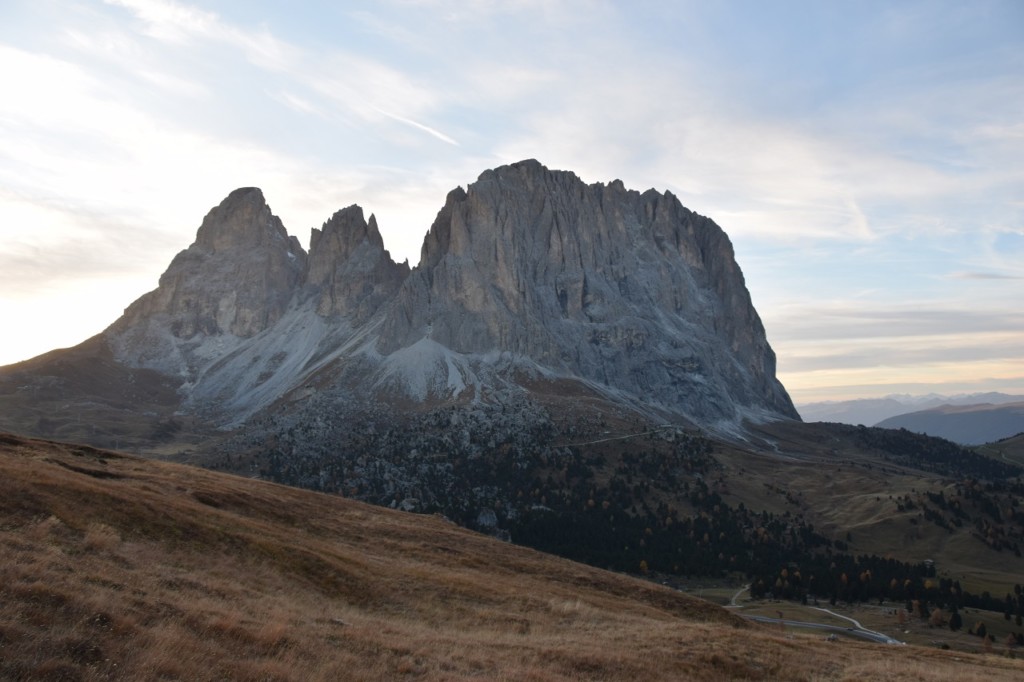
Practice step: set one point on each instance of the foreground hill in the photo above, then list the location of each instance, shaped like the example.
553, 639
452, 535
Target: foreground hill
115, 567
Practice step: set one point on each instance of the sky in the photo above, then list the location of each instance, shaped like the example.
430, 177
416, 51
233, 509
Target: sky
865, 158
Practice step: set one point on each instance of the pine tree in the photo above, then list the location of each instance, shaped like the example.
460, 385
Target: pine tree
955, 621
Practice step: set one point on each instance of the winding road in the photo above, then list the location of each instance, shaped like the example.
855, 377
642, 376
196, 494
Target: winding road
857, 630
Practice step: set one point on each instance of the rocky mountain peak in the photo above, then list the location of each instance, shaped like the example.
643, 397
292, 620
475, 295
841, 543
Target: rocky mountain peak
236, 279
631, 291
437, 242
349, 268
526, 269
345, 231
243, 220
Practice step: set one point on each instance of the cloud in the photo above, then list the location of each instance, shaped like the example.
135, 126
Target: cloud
419, 126
170, 21
984, 276
901, 352
367, 88
181, 25
853, 320
323, 83
121, 54
63, 162
299, 104
823, 347
73, 241
759, 177
762, 177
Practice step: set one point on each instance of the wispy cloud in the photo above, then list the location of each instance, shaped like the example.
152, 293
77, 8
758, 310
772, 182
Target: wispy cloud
75, 240
170, 21
299, 104
851, 321
984, 275
419, 126
363, 86
181, 24
821, 347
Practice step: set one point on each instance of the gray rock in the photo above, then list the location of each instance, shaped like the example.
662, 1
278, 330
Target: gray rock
349, 269
630, 291
236, 280
526, 272
238, 277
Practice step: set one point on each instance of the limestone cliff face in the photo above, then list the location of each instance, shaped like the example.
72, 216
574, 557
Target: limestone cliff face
238, 277
628, 290
526, 269
349, 269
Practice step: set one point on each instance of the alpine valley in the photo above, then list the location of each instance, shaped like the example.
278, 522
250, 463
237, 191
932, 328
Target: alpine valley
573, 367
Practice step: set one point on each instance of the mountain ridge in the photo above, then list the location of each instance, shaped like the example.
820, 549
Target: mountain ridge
526, 272
872, 411
972, 424
566, 368
542, 309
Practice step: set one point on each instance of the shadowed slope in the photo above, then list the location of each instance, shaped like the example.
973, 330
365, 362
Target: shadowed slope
84, 394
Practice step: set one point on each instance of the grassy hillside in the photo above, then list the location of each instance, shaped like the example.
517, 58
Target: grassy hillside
113, 567
83, 395
1006, 450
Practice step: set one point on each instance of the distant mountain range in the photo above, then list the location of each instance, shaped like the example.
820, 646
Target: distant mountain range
967, 418
966, 424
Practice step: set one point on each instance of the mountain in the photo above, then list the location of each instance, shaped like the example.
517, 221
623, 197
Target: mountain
576, 368
527, 275
121, 568
871, 411
967, 424
867, 411
626, 292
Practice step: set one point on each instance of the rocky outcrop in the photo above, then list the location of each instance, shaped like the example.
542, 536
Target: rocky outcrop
350, 271
238, 277
630, 291
236, 281
525, 271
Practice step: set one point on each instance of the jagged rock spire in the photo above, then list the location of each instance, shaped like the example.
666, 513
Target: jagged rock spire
628, 292
349, 268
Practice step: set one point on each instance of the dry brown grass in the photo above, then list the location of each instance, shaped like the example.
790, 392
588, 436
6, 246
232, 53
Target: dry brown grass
113, 567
